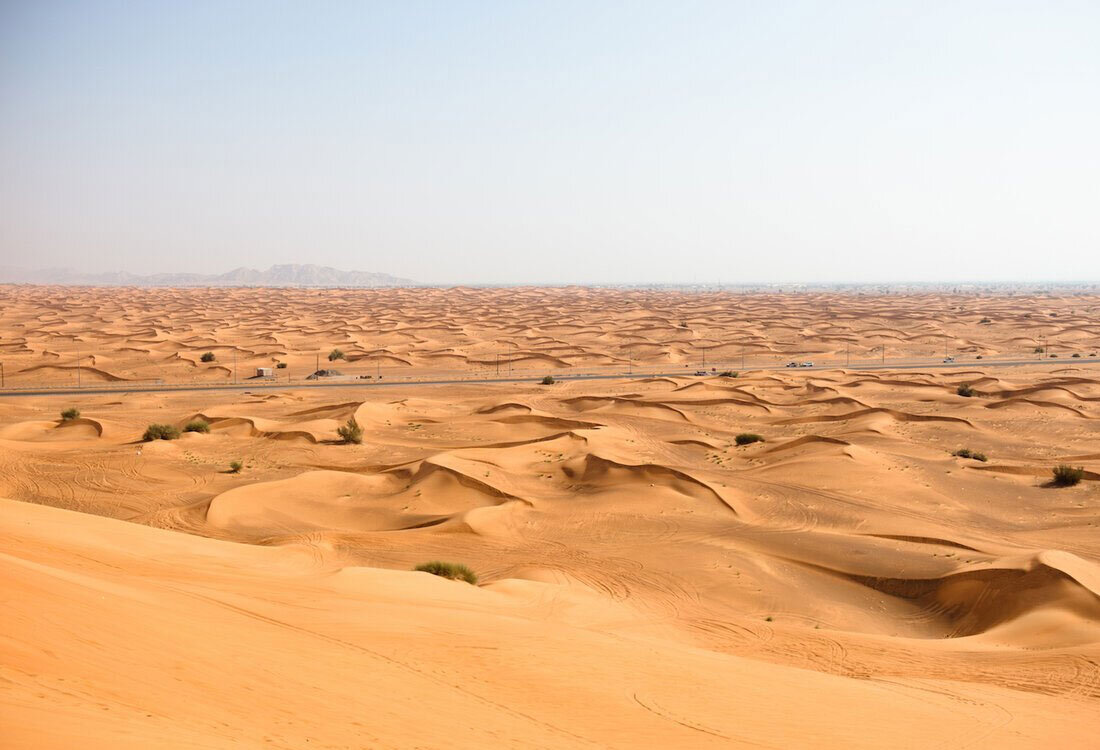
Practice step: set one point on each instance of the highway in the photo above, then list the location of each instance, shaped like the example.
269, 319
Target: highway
267, 385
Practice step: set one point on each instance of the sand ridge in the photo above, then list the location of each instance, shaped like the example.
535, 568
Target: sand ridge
645, 580
51, 336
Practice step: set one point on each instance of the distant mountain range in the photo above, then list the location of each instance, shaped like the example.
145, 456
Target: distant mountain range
291, 274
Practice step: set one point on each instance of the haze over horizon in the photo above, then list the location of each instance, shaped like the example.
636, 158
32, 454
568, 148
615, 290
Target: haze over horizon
505, 143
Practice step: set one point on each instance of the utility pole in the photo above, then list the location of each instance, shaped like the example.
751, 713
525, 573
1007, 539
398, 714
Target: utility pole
742, 356
316, 363
234, 367
498, 364
1, 374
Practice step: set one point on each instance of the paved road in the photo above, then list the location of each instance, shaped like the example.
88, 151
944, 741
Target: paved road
92, 390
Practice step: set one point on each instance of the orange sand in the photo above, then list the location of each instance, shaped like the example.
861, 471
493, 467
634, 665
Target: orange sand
644, 581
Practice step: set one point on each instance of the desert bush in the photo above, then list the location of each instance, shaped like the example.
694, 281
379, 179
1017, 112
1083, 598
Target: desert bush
281, 366
208, 357
967, 453
746, 438
235, 467
454, 571
336, 354
71, 413
965, 390
985, 320
548, 380
1054, 356
728, 374
197, 425
1067, 476
978, 357
351, 432
160, 432
1038, 350
1077, 355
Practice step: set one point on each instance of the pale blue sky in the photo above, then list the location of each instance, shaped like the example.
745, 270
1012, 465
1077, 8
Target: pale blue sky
548, 142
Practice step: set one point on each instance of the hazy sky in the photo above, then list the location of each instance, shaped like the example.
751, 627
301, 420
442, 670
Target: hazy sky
555, 141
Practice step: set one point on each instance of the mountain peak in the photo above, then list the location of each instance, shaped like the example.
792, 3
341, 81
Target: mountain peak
283, 274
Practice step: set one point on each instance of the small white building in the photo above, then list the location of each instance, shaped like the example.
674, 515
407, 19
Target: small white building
265, 372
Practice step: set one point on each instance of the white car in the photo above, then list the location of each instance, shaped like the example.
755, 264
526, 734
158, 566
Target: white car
807, 364
949, 359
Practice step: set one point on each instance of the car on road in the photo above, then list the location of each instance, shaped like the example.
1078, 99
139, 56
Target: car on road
792, 364
806, 364
700, 372
948, 359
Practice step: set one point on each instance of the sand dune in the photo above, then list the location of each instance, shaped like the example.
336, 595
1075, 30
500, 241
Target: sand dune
645, 581
160, 334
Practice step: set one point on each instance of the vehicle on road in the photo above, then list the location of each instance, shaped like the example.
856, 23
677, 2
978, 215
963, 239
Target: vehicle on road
948, 359
700, 372
806, 364
792, 364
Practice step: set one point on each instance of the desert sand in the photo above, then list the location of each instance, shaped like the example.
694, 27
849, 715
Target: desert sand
57, 336
645, 581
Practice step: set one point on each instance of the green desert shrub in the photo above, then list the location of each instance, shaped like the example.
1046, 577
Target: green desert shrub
281, 365
351, 432
548, 380
208, 357
1038, 350
454, 571
197, 425
1067, 476
965, 390
985, 320
746, 438
70, 413
728, 374
1077, 355
336, 354
235, 467
967, 453
160, 432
